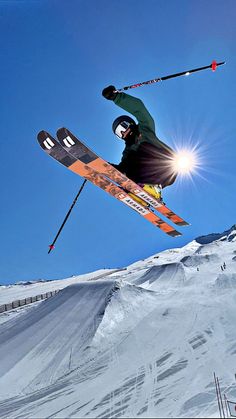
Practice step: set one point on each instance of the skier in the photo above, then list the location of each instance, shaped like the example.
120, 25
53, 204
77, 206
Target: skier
146, 160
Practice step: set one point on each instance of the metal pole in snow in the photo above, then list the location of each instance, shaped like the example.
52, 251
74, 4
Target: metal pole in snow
221, 401
226, 406
217, 394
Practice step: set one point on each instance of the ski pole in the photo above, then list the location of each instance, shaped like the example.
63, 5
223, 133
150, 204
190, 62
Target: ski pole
51, 246
213, 66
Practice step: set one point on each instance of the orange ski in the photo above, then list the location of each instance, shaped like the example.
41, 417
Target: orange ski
81, 152
53, 148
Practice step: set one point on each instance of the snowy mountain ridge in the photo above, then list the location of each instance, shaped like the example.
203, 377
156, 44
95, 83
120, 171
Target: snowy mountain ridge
226, 235
141, 342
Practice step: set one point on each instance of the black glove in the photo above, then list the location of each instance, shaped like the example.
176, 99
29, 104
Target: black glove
109, 93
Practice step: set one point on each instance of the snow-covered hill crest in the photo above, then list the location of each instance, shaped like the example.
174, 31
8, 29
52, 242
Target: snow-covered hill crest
143, 342
229, 235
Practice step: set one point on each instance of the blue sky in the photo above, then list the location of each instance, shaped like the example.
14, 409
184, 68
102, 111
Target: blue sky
56, 57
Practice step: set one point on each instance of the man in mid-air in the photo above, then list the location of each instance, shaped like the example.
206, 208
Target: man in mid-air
146, 160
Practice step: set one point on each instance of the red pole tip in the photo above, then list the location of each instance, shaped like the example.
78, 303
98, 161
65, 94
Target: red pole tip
51, 247
213, 65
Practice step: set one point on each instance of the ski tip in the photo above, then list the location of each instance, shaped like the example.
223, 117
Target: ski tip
63, 135
183, 223
65, 138
46, 140
41, 137
174, 233
62, 131
41, 134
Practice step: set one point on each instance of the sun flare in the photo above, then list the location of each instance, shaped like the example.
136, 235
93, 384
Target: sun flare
185, 162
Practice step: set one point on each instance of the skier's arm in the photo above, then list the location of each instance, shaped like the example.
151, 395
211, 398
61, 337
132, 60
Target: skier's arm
132, 105
136, 107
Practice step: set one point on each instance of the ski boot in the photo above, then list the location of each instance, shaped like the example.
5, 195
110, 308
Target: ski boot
153, 190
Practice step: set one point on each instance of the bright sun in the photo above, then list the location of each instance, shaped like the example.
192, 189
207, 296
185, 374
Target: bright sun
184, 162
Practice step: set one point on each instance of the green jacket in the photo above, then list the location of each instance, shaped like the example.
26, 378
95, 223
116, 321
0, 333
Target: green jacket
147, 160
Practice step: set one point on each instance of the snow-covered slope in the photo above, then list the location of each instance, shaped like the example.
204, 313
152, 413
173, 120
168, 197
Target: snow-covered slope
143, 342
23, 289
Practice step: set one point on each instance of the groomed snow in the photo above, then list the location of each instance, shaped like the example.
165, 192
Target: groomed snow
143, 342
23, 289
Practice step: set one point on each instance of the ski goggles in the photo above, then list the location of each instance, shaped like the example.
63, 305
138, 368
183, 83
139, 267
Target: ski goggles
121, 128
